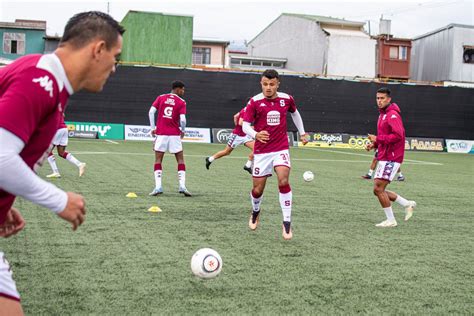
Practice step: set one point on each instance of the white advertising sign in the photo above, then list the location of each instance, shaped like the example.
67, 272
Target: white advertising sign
197, 135
460, 146
138, 132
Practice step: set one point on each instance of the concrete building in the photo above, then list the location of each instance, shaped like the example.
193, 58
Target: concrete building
157, 38
209, 52
446, 54
22, 37
317, 44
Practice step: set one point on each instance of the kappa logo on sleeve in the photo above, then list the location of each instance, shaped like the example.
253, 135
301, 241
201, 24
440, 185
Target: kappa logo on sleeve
45, 83
393, 116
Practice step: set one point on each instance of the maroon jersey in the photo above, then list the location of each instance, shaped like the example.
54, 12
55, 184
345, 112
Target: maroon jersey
33, 94
238, 128
270, 115
170, 107
62, 124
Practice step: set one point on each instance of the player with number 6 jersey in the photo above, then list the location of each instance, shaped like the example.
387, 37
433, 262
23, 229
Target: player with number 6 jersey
170, 126
267, 111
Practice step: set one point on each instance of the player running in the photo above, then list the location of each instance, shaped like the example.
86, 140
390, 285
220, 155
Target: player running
237, 138
268, 111
170, 126
390, 142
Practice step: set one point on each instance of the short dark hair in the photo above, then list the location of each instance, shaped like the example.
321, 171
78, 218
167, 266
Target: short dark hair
384, 90
86, 26
270, 74
177, 84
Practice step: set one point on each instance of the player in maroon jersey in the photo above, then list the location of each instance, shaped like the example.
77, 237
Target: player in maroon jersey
170, 126
237, 138
33, 94
268, 111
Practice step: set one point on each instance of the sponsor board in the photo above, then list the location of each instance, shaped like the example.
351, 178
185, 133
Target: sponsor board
424, 144
324, 140
104, 130
78, 134
197, 135
460, 146
356, 141
221, 135
138, 132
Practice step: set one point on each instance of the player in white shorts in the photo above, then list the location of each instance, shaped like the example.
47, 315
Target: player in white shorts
170, 126
60, 140
268, 111
7, 285
238, 137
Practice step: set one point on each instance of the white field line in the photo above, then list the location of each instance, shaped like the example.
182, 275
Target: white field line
237, 157
111, 141
371, 156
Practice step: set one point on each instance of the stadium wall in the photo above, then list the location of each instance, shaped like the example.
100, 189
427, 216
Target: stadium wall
332, 106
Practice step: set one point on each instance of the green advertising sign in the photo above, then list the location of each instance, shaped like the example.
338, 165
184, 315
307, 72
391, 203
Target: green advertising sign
104, 130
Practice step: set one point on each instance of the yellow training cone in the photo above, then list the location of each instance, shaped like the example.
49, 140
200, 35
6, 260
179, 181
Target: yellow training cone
131, 195
154, 209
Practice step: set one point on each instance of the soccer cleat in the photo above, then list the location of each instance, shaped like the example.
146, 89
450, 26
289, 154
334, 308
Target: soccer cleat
287, 232
366, 176
82, 169
156, 191
254, 220
401, 178
409, 210
387, 223
184, 191
53, 175
208, 163
248, 169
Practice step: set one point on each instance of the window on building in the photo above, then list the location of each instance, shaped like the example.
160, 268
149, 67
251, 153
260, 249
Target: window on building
245, 62
393, 54
14, 43
267, 64
468, 55
277, 65
402, 52
201, 55
235, 61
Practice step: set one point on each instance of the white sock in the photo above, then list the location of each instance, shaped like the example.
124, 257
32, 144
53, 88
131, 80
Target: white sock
285, 204
248, 164
211, 159
158, 178
371, 171
182, 178
256, 202
402, 201
73, 160
389, 213
52, 163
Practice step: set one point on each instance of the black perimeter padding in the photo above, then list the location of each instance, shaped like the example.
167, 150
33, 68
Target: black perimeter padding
326, 105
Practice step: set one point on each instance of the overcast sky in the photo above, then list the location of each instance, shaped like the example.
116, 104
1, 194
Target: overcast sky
244, 19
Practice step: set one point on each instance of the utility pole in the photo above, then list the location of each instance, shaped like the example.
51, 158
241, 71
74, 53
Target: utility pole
108, 7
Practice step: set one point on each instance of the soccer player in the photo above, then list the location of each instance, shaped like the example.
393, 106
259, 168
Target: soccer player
33, 93
170, 127
373, 164
268, 111
60, 140
390, 143
237, 138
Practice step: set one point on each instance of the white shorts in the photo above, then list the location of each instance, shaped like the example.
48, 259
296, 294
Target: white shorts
61, 137
171, 144
236, 140
263, 164
7, 285
386, 170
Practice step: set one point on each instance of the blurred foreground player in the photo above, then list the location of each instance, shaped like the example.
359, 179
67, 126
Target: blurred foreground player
33, 94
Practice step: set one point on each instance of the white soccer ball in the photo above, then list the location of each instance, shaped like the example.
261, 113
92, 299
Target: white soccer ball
308, 176
206, 263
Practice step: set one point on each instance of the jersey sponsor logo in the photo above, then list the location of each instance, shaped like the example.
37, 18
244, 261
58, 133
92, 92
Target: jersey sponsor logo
273, 118
170, 101
168, 112
393, 116
45, 83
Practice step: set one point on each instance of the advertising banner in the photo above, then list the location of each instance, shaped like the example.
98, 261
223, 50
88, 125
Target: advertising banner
325, 140
221, 135
77, 134
356, 141
138, 132
197, 135
104, 130
460, 146
424, 144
